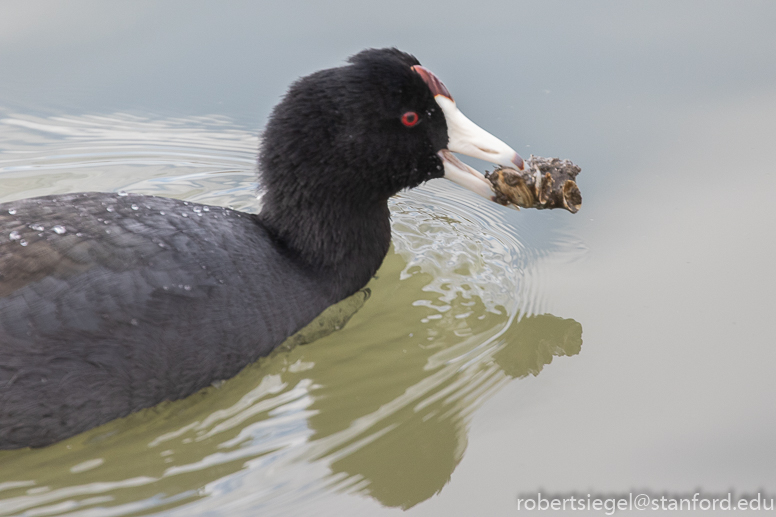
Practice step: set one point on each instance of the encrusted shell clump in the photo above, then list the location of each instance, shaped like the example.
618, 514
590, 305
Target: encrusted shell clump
545, 183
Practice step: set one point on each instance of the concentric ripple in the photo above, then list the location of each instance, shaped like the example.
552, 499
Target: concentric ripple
194, 157
377, 408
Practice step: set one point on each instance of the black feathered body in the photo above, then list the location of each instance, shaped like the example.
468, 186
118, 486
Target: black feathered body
109, 304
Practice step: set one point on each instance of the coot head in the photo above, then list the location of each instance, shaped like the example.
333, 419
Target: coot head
343, 140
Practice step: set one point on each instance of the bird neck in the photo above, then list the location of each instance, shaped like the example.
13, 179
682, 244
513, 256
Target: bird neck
343, 244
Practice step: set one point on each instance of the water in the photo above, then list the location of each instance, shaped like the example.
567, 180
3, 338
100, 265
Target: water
462, 379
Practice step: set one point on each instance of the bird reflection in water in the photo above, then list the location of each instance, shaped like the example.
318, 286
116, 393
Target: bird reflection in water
402, 436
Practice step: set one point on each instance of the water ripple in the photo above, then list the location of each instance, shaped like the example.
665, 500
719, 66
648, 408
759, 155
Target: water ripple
197, 157
378, 408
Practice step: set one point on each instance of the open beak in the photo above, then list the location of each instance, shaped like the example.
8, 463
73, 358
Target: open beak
466, 137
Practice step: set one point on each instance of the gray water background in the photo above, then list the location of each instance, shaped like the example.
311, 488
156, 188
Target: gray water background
667, 271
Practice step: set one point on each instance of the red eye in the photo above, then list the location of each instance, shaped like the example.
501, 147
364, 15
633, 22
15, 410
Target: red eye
410, 118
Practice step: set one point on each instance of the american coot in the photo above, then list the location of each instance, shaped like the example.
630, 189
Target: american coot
110, 303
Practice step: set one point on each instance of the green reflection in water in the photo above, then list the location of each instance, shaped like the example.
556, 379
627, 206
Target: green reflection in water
382, 404
427, 439
400, 428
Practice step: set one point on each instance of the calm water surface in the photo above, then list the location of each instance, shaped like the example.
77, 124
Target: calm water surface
460, 378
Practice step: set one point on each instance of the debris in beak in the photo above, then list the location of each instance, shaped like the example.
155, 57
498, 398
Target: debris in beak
545, 183
537, 183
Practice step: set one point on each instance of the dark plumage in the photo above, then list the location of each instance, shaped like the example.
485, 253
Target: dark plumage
111, 303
